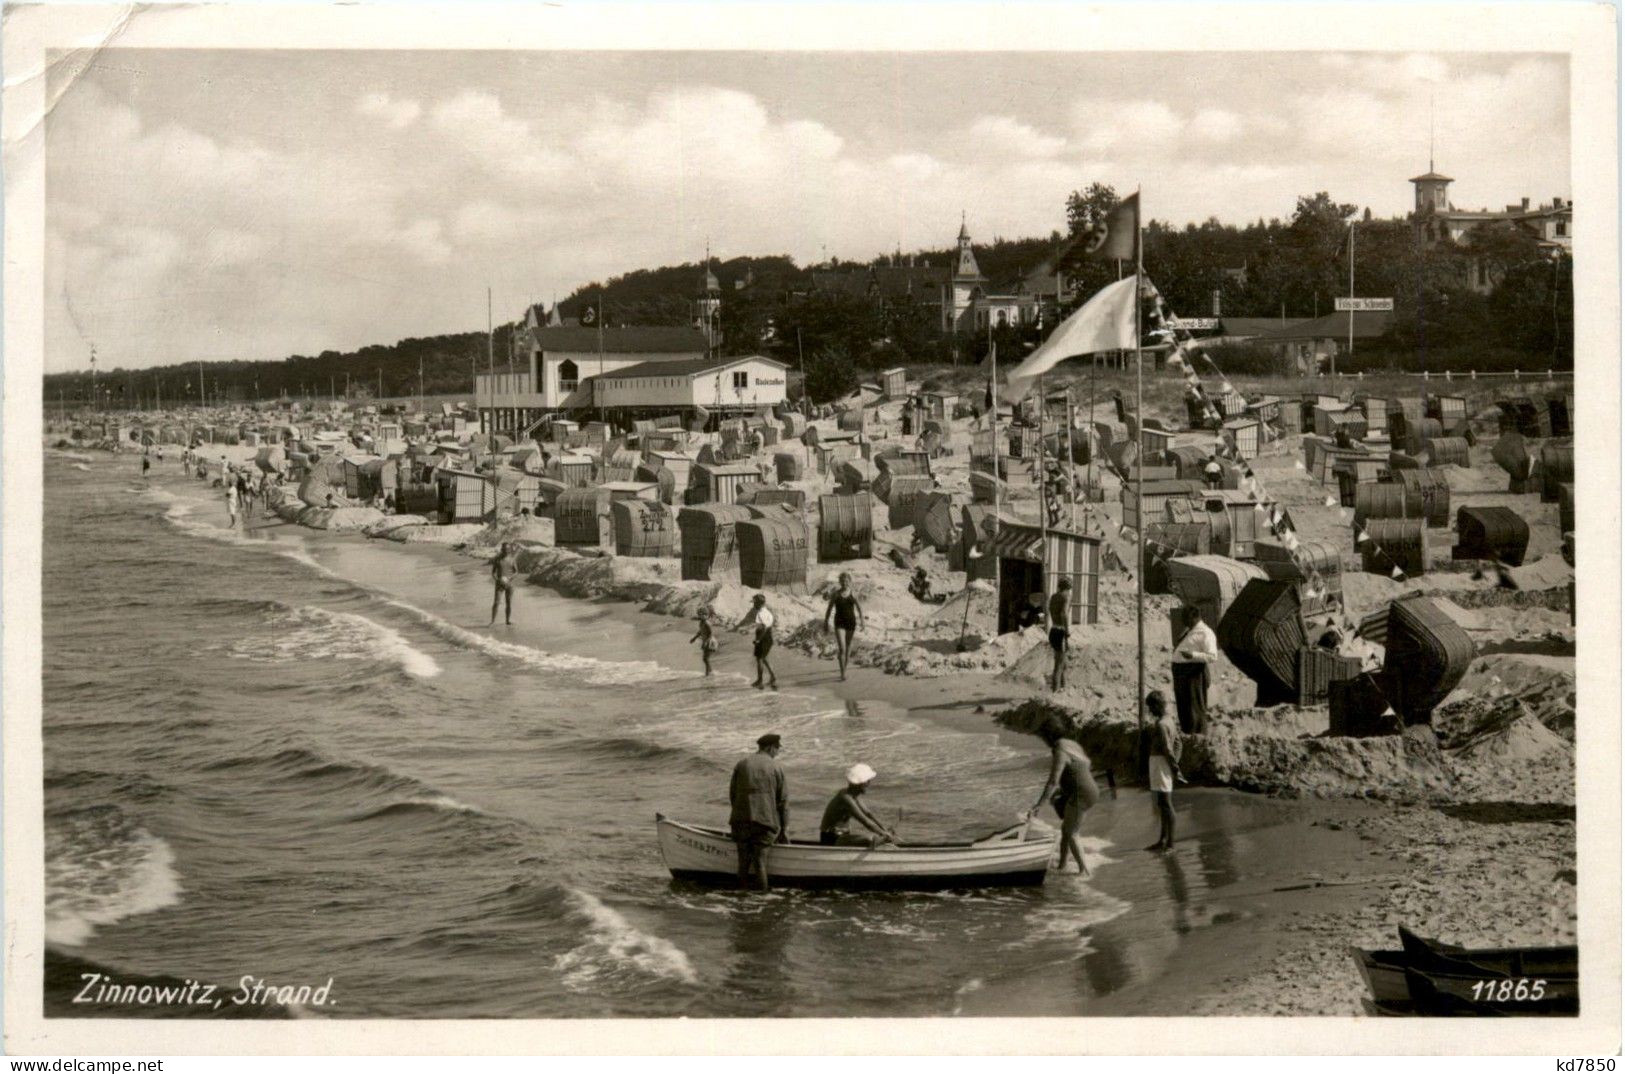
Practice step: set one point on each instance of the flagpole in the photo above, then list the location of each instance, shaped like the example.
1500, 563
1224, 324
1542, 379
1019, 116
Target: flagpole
993, 394
1071, 497
1139, 471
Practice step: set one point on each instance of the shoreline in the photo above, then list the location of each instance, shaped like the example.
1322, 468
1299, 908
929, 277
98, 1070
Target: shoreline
1295, 942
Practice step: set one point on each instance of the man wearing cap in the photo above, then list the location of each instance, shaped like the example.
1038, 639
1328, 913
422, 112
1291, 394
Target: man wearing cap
844, 808
759, 813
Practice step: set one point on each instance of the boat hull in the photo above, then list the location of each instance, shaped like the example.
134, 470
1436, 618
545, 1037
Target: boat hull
708, 856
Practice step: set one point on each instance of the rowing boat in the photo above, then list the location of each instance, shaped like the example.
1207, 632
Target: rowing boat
1433, 978
1006, 858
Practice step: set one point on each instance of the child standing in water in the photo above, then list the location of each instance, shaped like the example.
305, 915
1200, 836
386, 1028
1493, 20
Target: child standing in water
707, 640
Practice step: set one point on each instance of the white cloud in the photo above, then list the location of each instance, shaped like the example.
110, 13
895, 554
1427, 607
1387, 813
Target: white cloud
396, 114
1140, 125
1001, 134
1216, 125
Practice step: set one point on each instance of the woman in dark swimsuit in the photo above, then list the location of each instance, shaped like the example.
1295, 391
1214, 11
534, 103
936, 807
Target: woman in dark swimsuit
1070, 789
848, 613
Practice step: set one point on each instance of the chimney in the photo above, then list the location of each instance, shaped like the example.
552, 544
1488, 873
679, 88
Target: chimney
1557, 202
1525, 204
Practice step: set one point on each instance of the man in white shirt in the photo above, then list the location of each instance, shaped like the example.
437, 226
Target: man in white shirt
762, 621
1196, 648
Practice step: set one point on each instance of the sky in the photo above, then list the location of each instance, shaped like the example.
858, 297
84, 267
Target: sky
231, 204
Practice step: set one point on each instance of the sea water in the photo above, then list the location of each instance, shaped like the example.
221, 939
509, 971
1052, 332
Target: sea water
305, 757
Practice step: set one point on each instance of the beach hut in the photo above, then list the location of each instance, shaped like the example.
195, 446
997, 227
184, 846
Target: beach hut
1376, 416
465, 496
772, 552
720, 482
1520, 415
893, 383
643, 530
1559, 411
708, 538
1209, 583
680, 463
901, 496
1244, 436
548, 491
1154, 443
788, 467
574, 470
1430, 490
1388, 499
515, 491
1156, 495
1446, 451
1240, 510
1390, 543
1556, 470
845, 527
660, 477
1262, 634
1315, 566
1033, 560
794, 499
383, 475
934, 518
940, 405
1497, 533
1426, 655
418, 498
632, 490
581, 517
1170, 540
1514, 454
1352, 472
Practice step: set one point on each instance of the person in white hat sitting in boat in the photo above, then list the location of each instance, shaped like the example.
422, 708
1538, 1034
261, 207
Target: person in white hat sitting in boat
844, 808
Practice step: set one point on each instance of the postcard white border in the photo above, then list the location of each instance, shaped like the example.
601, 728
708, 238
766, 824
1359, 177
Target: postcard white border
1587, 33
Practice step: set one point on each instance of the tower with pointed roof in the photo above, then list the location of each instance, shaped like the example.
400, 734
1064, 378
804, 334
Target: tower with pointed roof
966, 283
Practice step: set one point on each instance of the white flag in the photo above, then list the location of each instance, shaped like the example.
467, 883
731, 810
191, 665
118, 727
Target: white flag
1105, 323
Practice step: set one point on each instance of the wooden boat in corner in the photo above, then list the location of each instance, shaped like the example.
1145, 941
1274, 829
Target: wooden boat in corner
1006, 858
1428, 977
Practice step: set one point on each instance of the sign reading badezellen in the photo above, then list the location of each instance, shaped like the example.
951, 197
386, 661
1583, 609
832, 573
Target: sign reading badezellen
1362, 304
1193, 324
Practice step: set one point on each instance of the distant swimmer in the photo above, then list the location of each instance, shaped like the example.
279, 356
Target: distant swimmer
1070, 789
835, 827
708, 642
146, 464
761, 620
848, 614
504, 574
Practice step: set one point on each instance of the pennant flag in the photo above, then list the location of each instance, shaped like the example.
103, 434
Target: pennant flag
1104, 323
1362, 538
1399, 575
1115, 235
1389, 711
1298, 463
1346, 514
1331, 501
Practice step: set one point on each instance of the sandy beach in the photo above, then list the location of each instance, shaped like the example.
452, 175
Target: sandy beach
1384, 832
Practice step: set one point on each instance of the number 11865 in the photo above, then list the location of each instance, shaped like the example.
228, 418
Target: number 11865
1505, 990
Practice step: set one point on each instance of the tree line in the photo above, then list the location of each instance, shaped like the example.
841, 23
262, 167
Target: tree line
1494, 301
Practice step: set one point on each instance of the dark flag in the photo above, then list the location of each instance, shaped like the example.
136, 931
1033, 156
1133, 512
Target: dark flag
1114, 236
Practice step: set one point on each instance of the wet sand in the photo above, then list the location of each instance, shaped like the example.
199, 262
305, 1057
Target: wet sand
1197, 917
